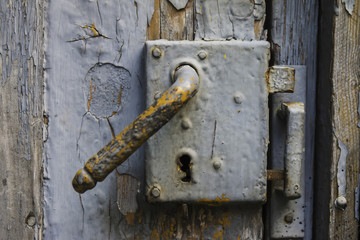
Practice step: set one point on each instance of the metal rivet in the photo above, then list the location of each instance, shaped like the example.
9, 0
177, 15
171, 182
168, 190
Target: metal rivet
289, 218
202, 55
341, 202
217, 164
156, 52
186, 123
155, 192
157, 95
238, 98
30, 220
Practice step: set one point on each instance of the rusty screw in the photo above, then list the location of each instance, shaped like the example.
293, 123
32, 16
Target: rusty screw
156, 52
155, 192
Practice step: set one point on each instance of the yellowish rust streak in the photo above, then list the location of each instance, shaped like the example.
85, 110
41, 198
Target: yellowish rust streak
92, 28
218, 235
90, 97
215, 202
120, 94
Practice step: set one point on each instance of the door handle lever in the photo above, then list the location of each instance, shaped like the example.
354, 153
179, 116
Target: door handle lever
185, 86
294, 112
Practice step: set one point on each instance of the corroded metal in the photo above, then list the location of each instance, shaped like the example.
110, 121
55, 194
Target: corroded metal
281, 79
143, 127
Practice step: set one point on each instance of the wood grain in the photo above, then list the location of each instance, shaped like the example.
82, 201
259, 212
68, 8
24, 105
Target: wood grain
345, 81
21, 101
337, 119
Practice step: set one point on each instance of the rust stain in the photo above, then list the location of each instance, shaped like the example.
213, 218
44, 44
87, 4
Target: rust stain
91, 94
155, 235
130, 218
120, 94
215, 202
218, 235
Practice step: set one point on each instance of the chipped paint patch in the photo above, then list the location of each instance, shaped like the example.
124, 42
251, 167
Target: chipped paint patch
349, 5
341, 169
357, 199
106, 87
179, 4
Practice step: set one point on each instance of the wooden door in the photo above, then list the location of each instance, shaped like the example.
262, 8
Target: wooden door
72, 75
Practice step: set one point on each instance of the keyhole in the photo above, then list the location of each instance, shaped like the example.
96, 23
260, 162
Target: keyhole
184, 162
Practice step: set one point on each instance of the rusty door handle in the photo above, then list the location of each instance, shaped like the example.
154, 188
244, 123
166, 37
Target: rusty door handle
114, 153
294, 150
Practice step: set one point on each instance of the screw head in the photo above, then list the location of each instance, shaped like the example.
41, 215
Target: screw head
31, 221
289, 218
156, 52
186, 124
238, 98
155, 192
341, 202
217, 164
202, 55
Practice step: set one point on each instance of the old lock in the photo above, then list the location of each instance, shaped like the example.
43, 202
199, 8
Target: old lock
214, 150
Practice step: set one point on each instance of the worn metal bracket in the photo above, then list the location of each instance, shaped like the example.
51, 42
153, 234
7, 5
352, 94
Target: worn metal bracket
215, 150
287, 151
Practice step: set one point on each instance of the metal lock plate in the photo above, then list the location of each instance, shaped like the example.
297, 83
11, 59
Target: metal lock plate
215, 149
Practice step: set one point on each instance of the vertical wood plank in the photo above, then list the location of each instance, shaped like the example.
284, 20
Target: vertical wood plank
21, 103
176, 24
338, 91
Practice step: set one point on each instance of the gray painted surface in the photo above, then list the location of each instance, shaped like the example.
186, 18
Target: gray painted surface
229, 119
80, 124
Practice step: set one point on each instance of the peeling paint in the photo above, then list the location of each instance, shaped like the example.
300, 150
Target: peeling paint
179, 4
341, 169
106, 88
219, 20
349, 5
357, 200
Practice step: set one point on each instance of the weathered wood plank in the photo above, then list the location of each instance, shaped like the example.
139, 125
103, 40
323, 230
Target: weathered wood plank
226, 19
293, 35
338, 91
176, 24
21, 102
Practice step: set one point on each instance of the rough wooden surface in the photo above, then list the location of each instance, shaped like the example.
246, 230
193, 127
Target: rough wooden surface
21, 101
338, 103
293, 35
